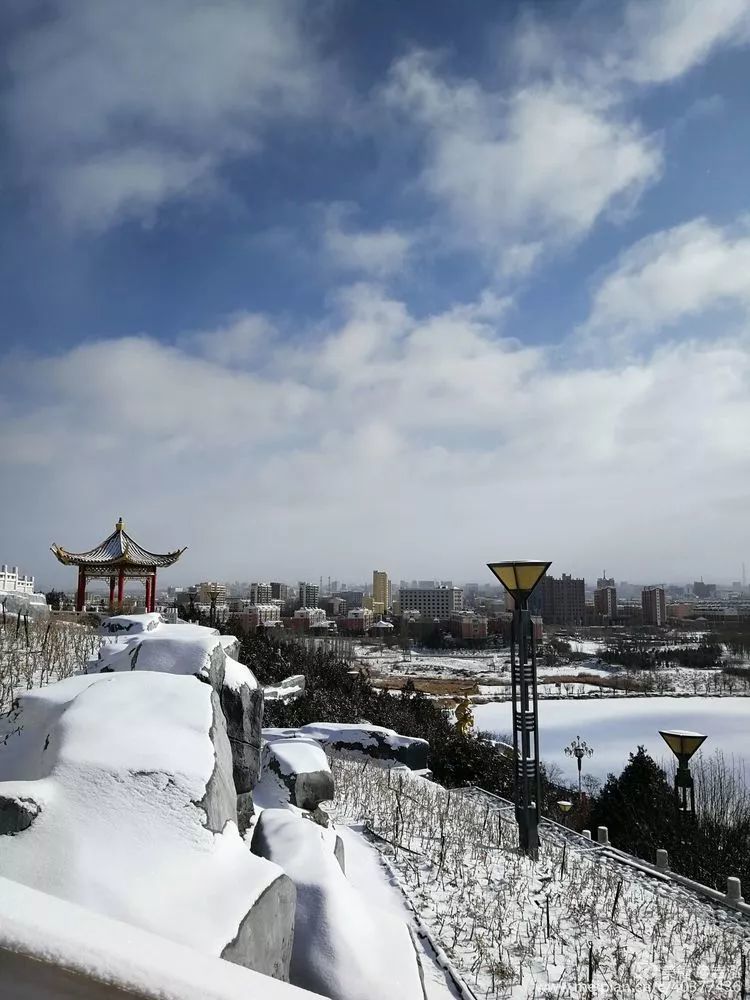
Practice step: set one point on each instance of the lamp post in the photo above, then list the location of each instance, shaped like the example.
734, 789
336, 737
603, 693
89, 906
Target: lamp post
579, 749
683, 745
520, 577
564, 805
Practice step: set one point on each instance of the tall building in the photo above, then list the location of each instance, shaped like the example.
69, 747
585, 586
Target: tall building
560, 602
704, 590
381, 589
605, 602
279, 592
431, 602
260, 593
308, 595
654, 604
605, 581
210, 592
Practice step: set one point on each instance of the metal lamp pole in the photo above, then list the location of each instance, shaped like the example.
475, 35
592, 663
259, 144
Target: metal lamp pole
579, 749
519, 578
528, 789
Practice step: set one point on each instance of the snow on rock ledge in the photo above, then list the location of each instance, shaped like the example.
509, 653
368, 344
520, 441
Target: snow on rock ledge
361, 740
344, 946
50, 949
126, 781
296, 770
146, 642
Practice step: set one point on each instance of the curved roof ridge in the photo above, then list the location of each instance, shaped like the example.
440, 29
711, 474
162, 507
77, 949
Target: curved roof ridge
117, 549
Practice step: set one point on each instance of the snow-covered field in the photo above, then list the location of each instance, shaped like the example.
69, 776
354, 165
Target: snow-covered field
574, 925
384, 662
614, 727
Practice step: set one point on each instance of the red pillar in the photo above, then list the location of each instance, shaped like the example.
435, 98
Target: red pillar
153, 592
148, 593
81, 595
120, 588
111, 593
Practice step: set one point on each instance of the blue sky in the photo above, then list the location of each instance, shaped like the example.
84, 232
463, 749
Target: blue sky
319, 287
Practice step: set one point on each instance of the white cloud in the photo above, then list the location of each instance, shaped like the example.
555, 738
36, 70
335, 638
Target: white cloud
664, 40
137, 103
424, 444
376, 253
522, 171
245, 339
670, 276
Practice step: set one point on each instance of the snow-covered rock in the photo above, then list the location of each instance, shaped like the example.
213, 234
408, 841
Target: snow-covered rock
242, 704
297, 769
52, 949
126, 783
362, 739
287, 690
144, 642
344, 946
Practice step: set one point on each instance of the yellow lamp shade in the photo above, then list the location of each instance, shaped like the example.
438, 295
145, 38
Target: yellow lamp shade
564, 805
681, 742
519, 577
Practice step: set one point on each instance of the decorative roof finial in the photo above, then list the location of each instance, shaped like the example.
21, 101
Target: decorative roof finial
119, 526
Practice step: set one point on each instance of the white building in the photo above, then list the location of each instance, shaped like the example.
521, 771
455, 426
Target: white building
260, 614
12, 583
312, 616
431, 602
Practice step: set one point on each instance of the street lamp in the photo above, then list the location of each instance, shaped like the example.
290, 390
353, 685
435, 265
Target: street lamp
683, 745
564, 805
579, 749
520, 577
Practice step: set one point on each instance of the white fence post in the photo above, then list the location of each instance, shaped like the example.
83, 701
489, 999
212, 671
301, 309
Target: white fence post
662, 859
602, 835
734, 890
586, 834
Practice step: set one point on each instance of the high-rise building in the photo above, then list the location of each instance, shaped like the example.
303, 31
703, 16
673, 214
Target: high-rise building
209, 592
605, 602
654, 604
260, 593
431, 602
381, 589
704, 590
308, 595
605, 581
560, 602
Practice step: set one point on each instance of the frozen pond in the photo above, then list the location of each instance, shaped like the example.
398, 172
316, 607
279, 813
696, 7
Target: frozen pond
615, 726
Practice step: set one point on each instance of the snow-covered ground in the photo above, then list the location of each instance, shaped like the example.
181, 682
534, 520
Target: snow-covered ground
614, 727
490, 671
575, 925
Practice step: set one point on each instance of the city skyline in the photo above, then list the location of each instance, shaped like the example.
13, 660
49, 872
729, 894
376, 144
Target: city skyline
405, 285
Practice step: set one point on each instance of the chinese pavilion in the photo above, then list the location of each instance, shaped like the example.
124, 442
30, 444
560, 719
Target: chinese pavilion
116, 558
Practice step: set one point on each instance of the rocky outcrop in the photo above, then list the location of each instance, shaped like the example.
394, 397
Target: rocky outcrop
16, 813
139, 814
361, 740
300, 766
243, 710
265, 936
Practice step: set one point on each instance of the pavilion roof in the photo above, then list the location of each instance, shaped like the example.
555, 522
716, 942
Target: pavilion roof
117, 550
